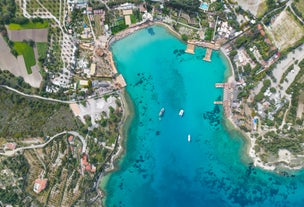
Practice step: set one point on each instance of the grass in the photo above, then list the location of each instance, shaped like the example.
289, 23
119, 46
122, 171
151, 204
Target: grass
22, 117
262, 9
42, 48
27, 51
300, 6
29, 25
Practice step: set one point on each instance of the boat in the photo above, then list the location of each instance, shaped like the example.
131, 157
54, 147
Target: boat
181, 112
189, 138
162, 111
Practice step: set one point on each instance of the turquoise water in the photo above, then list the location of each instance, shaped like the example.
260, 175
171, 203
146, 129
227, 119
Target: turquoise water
160, 167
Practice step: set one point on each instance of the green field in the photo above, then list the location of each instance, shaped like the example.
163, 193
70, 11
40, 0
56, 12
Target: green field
42, 48
27, 51
29, 25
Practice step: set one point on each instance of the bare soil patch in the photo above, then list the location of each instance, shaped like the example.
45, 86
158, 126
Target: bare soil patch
38, 35
285, 30
250, 5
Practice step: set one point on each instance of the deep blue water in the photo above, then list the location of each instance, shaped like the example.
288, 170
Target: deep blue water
160, 167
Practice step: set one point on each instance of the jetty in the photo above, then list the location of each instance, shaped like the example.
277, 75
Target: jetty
208, 55
190, 48
218, 102
220, 85
210, 46
227, 97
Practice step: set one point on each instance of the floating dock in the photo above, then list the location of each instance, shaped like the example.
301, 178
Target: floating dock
190, 48
208, 55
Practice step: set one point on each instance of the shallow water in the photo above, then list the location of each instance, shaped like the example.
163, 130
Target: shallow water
160, 167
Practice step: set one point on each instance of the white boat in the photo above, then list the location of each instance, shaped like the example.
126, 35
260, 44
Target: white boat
161, 113
181, 112
189, 138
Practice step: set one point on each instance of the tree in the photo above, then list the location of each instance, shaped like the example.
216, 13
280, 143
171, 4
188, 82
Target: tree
184, 37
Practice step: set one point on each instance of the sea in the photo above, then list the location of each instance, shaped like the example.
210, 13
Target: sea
160, 166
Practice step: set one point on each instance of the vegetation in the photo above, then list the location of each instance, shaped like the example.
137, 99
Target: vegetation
26, 117
260, 95
209, 34
189, 6
23, 48
119, 27
20, 168
298, 8
29, 25
7, 11
42, 48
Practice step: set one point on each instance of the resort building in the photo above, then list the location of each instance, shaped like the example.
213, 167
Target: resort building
40, 185
83, 83
92, 69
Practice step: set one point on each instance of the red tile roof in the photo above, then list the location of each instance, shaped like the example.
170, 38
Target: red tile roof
70, 138
40, 185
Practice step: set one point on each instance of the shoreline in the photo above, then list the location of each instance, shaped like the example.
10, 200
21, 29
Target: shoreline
128, 109
249, 140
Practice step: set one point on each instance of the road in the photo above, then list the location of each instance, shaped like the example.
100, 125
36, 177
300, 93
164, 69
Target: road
76, 134
36, 96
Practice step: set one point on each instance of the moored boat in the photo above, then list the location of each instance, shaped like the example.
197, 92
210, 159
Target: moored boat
162, 111
189, 138
181, 112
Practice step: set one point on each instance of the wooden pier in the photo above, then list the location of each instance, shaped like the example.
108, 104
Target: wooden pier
218, 102
220, 85
190, 48
208, 55
226, 98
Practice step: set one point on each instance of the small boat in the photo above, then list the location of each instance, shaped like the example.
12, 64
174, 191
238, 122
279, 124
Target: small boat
181, 112
189, 138
162, 111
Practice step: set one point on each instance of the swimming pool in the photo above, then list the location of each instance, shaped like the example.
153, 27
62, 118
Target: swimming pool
204, 6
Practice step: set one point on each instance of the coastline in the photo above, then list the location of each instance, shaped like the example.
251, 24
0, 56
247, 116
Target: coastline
128, 109
230, 124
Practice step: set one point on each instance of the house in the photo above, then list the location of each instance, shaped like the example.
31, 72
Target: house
84, 83
92, 69
89, 10
85, 165
71, 139
40, 185
10, 146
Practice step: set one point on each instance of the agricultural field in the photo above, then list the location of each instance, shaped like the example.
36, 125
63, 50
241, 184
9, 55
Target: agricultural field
285, 31
30, 25
22, 117
27, 51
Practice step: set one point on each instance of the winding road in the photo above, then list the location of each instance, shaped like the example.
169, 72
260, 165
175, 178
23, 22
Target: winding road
76, 134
